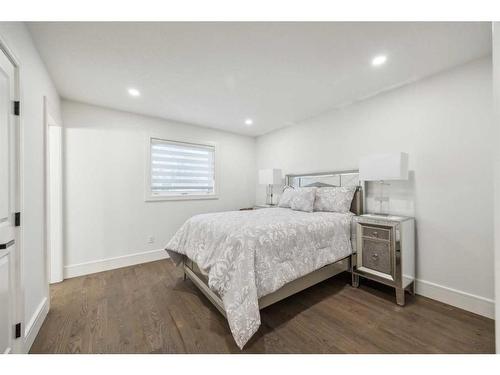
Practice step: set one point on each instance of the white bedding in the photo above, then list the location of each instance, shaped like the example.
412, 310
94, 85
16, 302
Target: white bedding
249, 254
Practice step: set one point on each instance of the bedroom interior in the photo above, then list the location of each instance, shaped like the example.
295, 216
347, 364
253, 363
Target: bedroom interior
249, 187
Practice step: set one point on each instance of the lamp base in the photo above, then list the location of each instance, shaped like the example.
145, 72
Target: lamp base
269, 195
381, 199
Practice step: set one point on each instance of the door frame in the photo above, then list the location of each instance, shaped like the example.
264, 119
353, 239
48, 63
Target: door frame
18, 345
53, 196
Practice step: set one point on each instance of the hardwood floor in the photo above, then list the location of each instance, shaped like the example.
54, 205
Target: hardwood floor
150, 309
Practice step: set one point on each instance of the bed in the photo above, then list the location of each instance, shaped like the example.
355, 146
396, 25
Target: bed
244, 261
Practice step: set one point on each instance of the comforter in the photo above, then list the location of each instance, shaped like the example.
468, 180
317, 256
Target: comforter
249, 254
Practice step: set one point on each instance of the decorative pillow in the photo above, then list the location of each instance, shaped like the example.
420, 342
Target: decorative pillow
303, 199
334, 199
286, 197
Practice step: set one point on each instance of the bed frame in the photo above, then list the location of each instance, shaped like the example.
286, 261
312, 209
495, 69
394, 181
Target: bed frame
344, 178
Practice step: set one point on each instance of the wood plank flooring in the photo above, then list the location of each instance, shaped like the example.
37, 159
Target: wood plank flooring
148, 308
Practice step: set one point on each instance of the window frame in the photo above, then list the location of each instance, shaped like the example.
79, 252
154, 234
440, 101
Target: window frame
150, 196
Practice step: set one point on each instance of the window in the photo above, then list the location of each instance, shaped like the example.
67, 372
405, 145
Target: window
181, 169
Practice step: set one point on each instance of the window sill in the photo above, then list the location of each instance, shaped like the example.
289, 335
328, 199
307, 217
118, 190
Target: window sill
160, 198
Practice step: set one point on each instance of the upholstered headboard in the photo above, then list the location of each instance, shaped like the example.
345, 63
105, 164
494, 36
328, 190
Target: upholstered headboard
344, 178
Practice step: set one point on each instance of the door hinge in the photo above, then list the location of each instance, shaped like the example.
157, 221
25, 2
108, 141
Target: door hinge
18, 331
17, 108
17, 219
4, 246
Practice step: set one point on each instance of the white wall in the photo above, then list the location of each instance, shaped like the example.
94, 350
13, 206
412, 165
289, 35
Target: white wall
445, 124
496, 92
35, 84
105, 160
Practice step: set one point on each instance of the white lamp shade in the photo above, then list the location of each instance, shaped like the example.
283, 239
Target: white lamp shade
270, 176
381, 167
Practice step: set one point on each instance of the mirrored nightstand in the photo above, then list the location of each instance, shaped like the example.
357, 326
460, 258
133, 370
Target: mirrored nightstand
385, 252
259, 206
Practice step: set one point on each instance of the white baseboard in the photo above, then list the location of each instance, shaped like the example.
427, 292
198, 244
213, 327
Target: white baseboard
470, 302
80, 269
35, 323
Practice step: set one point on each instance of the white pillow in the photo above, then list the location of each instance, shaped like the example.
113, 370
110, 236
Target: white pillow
303, 199
286, 197
334, 199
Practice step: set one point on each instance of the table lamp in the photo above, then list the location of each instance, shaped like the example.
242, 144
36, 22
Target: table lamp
381, 168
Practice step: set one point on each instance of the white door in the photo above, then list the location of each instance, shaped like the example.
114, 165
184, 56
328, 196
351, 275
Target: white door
9, 259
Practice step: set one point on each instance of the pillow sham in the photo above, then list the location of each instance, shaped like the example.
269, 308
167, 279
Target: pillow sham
286, 197
303, 199
334, 199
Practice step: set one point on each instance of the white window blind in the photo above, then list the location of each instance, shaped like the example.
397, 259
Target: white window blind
179, 169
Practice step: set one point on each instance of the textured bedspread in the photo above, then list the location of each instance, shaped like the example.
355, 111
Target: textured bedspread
249, 254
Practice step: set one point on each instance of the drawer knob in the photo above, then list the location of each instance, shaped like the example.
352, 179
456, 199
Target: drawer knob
374, 256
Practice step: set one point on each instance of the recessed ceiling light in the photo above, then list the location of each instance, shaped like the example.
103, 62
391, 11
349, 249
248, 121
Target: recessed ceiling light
379, 60
248, 122
134, 92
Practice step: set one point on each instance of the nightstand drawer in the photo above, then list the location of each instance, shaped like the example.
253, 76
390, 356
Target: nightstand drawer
377, 255
376, 232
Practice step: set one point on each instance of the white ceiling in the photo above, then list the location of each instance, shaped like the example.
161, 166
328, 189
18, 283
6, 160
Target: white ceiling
219, 74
